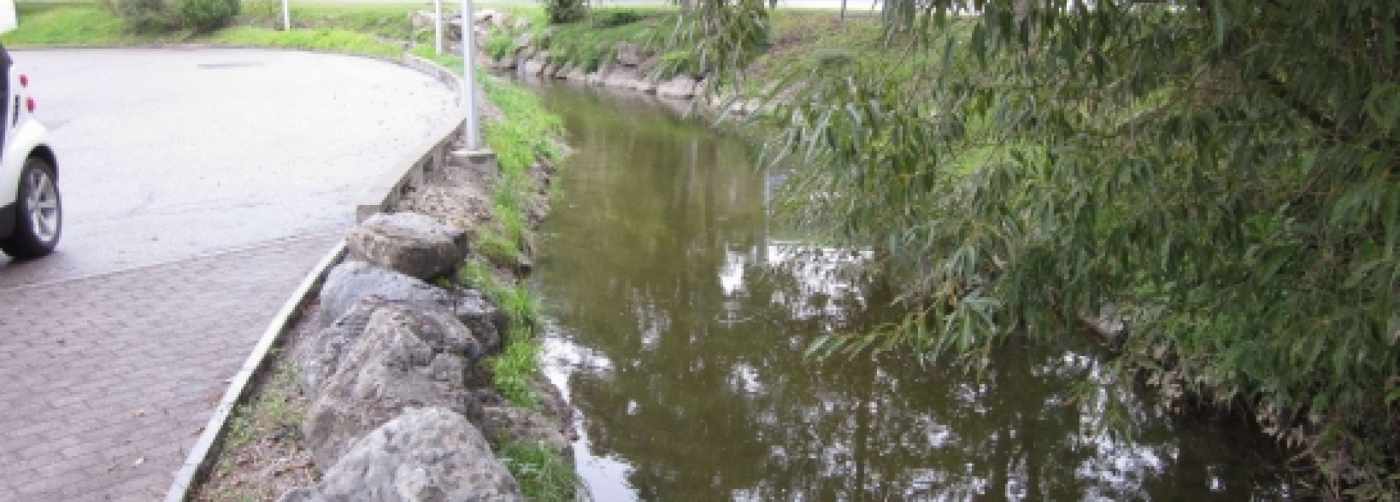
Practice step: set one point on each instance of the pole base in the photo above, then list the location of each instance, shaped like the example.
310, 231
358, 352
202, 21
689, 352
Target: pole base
475, 157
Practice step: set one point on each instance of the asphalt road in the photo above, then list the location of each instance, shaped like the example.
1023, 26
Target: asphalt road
170, 154
199, 187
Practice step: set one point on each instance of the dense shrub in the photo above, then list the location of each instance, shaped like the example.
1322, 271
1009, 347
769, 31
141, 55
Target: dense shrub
145, 16
565, 11
206, 15
262, 10
610, 18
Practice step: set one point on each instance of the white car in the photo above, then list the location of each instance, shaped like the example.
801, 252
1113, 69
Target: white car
31, 212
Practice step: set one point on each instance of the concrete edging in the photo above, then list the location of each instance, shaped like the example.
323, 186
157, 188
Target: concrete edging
383, 194
386, 191
199, 460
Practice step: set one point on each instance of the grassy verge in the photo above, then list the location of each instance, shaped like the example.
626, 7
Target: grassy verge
321, 39
75, 25
264, 434
371, 31
524, 136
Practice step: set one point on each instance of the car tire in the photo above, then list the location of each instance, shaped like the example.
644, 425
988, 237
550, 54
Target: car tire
38, 212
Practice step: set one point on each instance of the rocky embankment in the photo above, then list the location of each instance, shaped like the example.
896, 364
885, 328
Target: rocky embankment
631, 67
402, 403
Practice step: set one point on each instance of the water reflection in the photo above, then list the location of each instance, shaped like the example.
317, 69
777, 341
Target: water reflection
681, 326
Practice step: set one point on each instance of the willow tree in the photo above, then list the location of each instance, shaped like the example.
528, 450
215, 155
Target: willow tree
1222, 175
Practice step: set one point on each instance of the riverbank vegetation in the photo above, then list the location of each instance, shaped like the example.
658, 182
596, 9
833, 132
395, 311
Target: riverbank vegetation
1219, 177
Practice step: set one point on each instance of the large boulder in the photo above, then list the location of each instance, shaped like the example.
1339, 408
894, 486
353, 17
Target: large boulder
318, 356
353, 282
426, 454
348, 282
414, 244
629, 54
534, 66
404, 358
486, 322
681, 86
624, 78
491, 18
576, 74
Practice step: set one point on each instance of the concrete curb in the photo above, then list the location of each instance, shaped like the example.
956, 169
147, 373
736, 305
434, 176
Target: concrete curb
200, 458
386, 191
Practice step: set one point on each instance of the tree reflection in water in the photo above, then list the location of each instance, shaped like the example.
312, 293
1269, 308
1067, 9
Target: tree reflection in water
682, 320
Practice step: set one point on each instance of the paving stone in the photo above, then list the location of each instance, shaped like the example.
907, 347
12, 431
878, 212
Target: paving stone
109, 413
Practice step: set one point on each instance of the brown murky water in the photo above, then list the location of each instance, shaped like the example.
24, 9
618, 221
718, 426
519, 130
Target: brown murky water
682, 320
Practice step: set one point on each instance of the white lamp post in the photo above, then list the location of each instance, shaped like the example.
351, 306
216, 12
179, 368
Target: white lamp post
437, 26
286, 16
469, 80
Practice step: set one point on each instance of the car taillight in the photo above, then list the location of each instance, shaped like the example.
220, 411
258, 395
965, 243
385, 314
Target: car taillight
29, 104
23, 80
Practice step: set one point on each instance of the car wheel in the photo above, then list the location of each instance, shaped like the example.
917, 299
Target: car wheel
39, 212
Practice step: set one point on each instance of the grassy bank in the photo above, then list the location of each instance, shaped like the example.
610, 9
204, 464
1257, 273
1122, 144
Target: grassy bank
381, 31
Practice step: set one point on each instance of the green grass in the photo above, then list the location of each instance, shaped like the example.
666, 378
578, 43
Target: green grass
543, 474
325, 40
272, 414
91, 25
516, 365
74, 25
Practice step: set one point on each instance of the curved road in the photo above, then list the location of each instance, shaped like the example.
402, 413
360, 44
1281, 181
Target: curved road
200, 186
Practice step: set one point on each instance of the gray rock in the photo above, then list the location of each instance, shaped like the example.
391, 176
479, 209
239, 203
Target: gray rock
549, 423
348, 282
599, 76
624, 78
629, 54
522, 42
353, 282
1110, 323
404, 358
562, 71
301, 495
644, 85
318, 356
410, 243
533, 67
486, 322
679, 87
491, 18
576, 74
505, 424
425, 454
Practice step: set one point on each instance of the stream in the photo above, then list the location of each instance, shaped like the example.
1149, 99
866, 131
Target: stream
681, 317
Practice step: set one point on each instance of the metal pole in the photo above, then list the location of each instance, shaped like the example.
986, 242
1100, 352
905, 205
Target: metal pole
286, 16
468, 74
437, 26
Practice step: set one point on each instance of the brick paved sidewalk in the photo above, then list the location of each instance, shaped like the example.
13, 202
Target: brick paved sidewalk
106, 381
